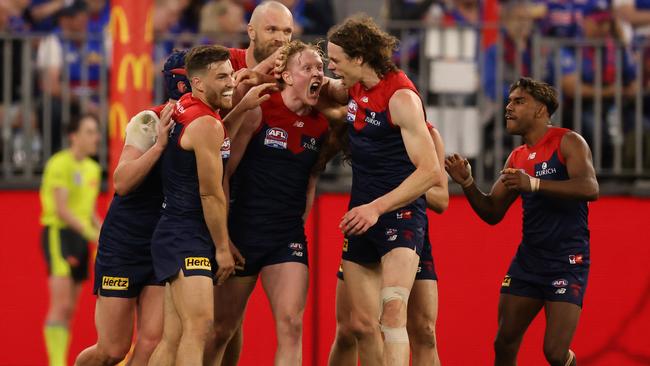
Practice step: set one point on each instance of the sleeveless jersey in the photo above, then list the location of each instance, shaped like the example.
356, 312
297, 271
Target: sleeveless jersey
379, 159
132, 218
179, 175
269, 188
555, 232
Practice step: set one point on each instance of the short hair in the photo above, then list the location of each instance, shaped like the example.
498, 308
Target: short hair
360, 36
294, 47
540, 91
75, 124
199, 58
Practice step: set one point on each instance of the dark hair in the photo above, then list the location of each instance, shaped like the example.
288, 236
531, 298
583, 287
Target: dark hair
540, 91
337, 140
74, 124
199, 58
360, 36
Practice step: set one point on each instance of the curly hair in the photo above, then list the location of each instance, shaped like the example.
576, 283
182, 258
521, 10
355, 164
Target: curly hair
289, 50
540, 91
360, 36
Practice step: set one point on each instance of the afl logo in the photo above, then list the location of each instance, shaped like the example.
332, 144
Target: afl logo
276, 138
225, 148
352, 111
560, 283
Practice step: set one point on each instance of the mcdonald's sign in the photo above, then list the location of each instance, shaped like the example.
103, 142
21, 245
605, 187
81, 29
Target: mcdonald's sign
119, 25
117, 120
141, 72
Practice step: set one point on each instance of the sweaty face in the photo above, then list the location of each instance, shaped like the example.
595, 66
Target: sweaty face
273, 30
218, 85
87, 137
520, 111
341, 65
306, 72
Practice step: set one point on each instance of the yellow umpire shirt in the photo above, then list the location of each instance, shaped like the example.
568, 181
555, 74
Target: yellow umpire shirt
80, 178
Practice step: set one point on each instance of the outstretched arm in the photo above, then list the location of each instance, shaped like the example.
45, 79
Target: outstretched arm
489, 207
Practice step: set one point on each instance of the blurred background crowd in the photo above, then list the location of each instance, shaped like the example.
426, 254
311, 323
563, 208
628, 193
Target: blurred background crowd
55, 65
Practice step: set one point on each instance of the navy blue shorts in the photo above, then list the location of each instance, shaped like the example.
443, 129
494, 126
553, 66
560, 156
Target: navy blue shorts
268, 251
568, 286
123, 273
387, 234
426, 267
182, 244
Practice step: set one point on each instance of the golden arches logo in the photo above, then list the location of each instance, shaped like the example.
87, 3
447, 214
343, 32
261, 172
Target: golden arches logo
119, 25
148, 26
141, 72
117, 120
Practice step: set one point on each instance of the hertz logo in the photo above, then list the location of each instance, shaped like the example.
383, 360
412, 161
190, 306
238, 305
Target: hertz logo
506, 282
115, 283
345, 245
198, 263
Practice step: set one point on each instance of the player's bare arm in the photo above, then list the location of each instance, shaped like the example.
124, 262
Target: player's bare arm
438, 195
205, 136
489, 207
582, 183
406, 111
141, 151
311, 195
334, 91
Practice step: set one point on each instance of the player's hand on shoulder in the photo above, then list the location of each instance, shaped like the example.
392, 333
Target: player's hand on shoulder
226, 264
459, 169
359, 219
518, 180
165, 125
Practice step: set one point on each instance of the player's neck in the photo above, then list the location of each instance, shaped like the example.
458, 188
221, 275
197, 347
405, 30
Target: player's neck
293, 103
250, 58
535, 135
77, 153
200, 96
369, 78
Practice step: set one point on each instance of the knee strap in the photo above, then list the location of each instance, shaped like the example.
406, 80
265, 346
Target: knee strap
395, 335
395, 293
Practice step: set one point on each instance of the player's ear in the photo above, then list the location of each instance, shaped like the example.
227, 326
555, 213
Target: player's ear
251, 32
358, 60
286, 77
540, 110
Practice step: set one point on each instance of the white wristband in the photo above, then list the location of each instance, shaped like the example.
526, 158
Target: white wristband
534, 184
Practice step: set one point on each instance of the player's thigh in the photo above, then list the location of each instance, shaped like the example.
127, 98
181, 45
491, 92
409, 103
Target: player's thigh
561, 323
515, 315
342, 304
114, 318
286, 285
398, 268
193, 297
423, 304
151, 311
362, 289
230, 300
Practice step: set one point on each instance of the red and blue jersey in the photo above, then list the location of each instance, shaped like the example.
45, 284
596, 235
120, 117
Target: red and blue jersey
555, 230
269, 188
132, 218
380, 162
179, 172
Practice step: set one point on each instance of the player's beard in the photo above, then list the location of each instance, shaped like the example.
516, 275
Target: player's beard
262, 52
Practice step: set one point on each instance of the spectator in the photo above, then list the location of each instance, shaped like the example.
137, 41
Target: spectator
61, 59
563, 18
41, 14
222, 21
598, 26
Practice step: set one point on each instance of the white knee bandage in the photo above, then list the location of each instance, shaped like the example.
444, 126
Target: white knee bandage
141, 130
395, 335
395, 293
